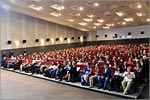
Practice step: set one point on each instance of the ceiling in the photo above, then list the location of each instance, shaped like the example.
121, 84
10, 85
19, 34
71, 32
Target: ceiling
85, 15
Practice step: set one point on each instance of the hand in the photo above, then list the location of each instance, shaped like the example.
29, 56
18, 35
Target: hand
102, 77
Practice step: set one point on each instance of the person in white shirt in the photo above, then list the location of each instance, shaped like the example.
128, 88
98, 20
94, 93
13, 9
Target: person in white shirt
128, 80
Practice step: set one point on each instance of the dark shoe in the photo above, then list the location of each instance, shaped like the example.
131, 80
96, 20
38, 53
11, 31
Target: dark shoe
104, 88
99, 87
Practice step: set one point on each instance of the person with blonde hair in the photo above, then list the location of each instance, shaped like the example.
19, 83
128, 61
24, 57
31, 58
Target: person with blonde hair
128, 80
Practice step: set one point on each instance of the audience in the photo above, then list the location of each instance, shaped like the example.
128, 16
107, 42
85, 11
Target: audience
115, 59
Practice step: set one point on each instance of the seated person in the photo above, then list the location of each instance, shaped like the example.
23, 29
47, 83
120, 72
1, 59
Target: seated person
128, 80
12, 62
25, 66
86, 74
68, 68
116, 80
48, 70
106, 73
62, 71
18, 63
73, 72
97, 73
4, 62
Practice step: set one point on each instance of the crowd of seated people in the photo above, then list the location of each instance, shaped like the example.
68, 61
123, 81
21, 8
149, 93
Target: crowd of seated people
107, 66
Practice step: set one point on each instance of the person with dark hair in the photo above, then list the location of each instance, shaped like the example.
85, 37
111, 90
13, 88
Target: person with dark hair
106, 73
116, 79
11, 53
86, 74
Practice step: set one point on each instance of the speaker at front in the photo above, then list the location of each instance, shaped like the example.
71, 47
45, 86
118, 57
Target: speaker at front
24, 41
9, 42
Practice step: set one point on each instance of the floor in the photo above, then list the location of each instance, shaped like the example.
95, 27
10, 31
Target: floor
17, 86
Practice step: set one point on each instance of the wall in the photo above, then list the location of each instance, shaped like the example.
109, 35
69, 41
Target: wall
79, 44
135, 32
17, 27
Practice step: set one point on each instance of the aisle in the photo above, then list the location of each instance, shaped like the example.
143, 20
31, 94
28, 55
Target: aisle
17, 86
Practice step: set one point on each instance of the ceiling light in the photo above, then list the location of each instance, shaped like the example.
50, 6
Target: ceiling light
90, 15
120, 13
97, 24
140, 14
75, 14
80, 8
83, 23
128, 19
100, 20
88, 19
148, 20
56, 14
106, 27
110, 25
93, 4
57, 7
122, 23
76, 8
136, 5
71, 20
35, 7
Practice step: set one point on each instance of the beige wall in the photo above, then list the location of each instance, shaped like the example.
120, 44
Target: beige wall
135, 32
18, 27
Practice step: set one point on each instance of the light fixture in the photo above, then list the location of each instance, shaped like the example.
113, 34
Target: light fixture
148, 19
90, 15
140, 14
75, 14
122, 23
57, 7
110, 25
128, 19
35, 7
88, 19
93, 4
83, 23
57, 14
106, 27
100, 20
76, 8
97, 24
136, 5
71, 20
42, 42
52, 40
120, 13
17, 43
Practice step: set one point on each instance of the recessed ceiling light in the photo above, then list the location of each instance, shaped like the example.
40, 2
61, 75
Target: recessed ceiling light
100, 20
57, 7
140, 14
76, 8
136, 5
148, 20
57, 14
128, 19
120, 13
88, 19
110, 25
75, 14
106, 27
35, 7
71, 20
90, 15
92, 27
97, 24
83, 23
122, 23
93, 4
